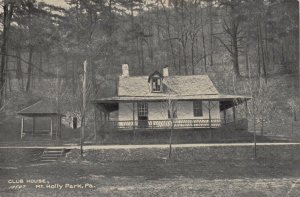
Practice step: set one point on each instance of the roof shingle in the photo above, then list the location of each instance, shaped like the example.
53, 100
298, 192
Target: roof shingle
172, 85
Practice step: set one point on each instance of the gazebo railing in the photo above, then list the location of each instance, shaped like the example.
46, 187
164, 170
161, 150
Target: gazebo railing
161, 124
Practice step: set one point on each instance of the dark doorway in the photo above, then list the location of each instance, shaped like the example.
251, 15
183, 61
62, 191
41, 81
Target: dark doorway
74, 122
142, 115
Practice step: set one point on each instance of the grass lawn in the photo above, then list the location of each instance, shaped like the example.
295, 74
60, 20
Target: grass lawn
201, 178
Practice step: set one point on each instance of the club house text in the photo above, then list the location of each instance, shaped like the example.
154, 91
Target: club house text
31, 181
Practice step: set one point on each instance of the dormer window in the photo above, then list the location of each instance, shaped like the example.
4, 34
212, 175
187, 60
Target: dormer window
156, 84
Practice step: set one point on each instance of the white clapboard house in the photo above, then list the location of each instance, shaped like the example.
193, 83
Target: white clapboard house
160, 101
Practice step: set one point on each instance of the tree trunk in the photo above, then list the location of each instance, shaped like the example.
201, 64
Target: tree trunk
262, 54
19, 72
235, 53
211, 34
41, 66
247, 60
29, 69
258, 55
84, 95
7, 15
203, 43
8, 76
262, 127
171, 137
192, 58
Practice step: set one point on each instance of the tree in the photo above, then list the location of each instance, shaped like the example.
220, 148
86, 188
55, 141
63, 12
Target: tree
84, 97
232, 27
8, 9
170, 106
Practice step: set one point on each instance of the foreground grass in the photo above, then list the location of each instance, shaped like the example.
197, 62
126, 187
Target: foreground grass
201, 178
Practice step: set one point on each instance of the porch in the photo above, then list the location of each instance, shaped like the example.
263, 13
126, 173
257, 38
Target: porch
216, 109
161, 124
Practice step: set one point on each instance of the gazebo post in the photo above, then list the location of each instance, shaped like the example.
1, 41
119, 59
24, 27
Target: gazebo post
51, 127
22, 127
233, 110
246, 109
224, 113
33, 125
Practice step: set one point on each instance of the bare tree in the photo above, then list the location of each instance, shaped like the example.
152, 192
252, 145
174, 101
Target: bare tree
170, 107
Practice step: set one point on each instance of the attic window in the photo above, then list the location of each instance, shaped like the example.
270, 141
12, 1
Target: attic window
156, 84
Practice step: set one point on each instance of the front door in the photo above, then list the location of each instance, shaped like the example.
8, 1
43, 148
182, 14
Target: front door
142, 115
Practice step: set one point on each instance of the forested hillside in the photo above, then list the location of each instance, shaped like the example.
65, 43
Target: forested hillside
247, 47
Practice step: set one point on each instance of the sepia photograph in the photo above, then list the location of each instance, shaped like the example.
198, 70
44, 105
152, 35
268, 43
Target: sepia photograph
149, 98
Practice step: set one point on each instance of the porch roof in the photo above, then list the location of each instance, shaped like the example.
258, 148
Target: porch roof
226, 101
42, 108
207, 97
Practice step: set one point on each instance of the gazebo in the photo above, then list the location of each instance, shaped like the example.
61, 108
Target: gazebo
42, 109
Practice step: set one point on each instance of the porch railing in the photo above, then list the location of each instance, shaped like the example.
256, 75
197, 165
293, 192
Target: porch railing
162, 124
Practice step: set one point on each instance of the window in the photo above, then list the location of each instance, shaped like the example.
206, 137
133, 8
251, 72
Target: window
156, 84
142, 109
197, 105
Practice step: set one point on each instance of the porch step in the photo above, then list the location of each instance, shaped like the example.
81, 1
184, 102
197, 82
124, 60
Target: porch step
52, 154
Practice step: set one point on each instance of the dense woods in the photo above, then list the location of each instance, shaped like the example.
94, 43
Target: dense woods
235, 42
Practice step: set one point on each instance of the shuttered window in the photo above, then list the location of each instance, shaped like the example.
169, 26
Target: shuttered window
197, 105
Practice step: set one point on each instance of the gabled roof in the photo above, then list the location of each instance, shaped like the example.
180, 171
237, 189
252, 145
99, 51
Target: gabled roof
172, 85
154, 74
40, 108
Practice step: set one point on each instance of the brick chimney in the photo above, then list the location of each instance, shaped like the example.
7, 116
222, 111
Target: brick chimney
166, 71
125, 70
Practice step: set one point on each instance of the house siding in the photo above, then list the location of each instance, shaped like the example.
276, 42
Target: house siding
157, 111
126, 111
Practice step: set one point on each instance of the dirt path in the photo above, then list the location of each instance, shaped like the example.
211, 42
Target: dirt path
95, 147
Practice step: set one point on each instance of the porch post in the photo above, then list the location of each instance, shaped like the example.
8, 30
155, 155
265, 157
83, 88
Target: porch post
51, 127
133, 115
246, 110
22, 127
233, 110
33, 125
101, 118
209, 119
209, 115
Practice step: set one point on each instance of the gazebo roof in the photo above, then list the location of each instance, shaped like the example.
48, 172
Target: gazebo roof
41, 108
